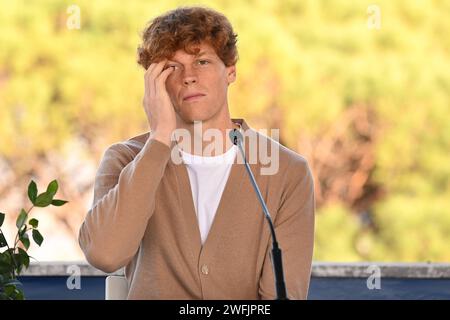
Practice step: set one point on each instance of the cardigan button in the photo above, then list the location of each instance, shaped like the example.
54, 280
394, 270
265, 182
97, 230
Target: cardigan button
205, 269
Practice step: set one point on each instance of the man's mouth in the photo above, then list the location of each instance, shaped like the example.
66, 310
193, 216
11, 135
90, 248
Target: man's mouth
192, 98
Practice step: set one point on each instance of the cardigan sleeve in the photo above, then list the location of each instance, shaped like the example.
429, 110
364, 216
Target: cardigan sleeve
294, 227
124, 201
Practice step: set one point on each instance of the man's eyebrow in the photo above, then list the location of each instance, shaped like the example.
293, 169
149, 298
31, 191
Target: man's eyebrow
203, 53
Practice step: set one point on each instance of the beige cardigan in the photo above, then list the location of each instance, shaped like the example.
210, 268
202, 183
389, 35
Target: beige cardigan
143, 217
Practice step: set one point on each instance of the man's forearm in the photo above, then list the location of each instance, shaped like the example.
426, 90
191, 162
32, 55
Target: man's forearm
114, 226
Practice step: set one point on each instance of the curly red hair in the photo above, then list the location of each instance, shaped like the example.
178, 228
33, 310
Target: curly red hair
185, 28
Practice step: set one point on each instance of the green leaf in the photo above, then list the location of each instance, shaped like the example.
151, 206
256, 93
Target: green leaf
2, 218
19, 263
5, 257
20, 294
13, 291
3, 242
43, 200
33, 222
52, 188
5, 267
32, 191
25, 240
22, 230
9, 289
58, 202
21, 219
37, 237
24, 258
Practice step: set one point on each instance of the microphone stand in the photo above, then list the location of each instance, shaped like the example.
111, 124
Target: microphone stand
277, 264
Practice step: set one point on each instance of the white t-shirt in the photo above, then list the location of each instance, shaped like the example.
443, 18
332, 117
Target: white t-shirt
208, 177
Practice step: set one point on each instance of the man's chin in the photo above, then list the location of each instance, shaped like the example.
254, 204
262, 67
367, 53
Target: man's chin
191, 119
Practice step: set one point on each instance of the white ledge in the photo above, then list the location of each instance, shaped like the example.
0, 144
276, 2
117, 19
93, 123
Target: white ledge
319, 269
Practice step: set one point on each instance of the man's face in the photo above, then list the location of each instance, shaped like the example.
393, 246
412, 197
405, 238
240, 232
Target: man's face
205, 74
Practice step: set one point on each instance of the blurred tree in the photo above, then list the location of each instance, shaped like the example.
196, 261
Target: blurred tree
369, 108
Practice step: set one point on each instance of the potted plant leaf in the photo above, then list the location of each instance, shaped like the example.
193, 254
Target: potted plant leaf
14, 258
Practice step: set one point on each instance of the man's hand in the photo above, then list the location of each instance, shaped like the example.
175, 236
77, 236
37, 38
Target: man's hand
157, 104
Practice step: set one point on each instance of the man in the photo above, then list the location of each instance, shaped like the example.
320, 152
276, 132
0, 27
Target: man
194, 229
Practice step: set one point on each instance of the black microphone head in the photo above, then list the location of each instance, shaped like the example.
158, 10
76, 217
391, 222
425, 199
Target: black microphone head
235, 136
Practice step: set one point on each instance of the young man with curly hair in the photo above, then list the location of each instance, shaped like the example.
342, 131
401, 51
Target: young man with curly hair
194, 229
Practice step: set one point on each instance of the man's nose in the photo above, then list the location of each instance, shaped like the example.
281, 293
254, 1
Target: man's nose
189, 80
189, 76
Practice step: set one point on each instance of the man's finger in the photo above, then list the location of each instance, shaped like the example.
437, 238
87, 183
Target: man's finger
160, 82
154, 73
158, 68
149, 69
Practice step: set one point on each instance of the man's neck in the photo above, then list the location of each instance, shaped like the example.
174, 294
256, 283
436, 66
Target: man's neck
204, 138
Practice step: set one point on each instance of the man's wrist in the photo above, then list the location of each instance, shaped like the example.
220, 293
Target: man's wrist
162, 137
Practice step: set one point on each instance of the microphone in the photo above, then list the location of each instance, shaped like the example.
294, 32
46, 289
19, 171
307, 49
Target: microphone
277, 264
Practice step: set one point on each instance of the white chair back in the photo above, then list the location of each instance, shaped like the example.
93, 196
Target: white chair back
116, 288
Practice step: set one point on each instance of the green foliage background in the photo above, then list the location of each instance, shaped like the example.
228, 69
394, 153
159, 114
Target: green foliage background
302, 64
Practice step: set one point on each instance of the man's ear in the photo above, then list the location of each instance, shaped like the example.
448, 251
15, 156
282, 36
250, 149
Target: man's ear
231, 74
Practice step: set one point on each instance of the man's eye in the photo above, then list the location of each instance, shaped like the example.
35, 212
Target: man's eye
201, 62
